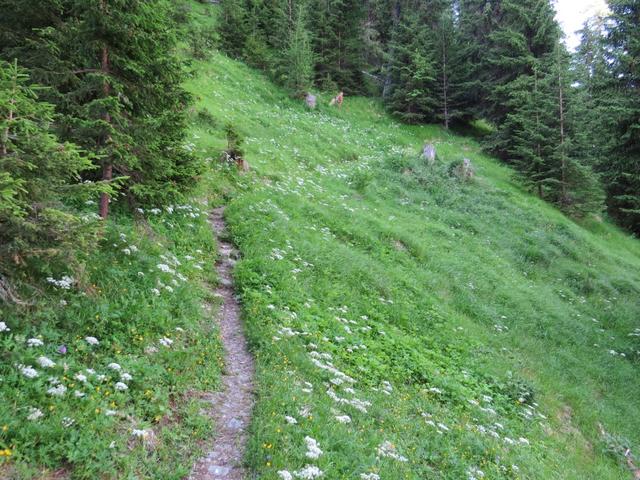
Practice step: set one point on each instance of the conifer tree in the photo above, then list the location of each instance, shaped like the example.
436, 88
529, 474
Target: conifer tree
524, 32
117, 87
233, 27
336, 26
595, 97
412, 70
39, 177
622, 171
298, 59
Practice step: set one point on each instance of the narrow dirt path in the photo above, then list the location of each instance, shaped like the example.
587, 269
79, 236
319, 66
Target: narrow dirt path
231, 408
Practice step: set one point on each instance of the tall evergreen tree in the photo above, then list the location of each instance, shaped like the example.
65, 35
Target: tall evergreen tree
117, 86
337, 29
593, 108
39, 178
413, 76
524, 33
538, 132
233, 27
622, 172
298, 58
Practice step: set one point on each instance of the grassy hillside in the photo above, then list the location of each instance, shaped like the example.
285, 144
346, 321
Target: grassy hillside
470, 325
100, 372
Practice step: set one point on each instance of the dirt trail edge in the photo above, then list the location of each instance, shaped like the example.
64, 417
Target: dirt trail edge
231, 408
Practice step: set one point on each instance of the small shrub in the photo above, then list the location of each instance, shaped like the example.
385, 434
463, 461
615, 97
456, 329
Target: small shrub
205, 118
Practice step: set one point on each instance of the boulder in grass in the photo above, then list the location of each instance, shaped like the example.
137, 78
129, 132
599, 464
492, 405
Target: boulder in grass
310, 99
429, 153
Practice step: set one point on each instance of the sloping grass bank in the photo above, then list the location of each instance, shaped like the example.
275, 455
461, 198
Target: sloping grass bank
101, 376
407, 324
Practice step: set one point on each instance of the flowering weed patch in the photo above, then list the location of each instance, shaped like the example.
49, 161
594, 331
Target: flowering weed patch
101, 377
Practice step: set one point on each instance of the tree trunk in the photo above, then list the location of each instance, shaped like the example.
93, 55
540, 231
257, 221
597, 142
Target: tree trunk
107, 166
445, 86
563, 158
538, 146
12, 101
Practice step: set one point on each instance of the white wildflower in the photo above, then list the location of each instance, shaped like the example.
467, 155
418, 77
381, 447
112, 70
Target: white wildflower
474, 473
290, 420
57, 391
163, 267
34, 414
65, 282
121, 387
125, 377
140, 433
310, 472
369, 476
343, 418
34, 342
285, 475
388, 449
313, 448
28, 371
78, 394
114, 366
80, 377
91, 340
4, 328
44, 362
67, 422
165, 342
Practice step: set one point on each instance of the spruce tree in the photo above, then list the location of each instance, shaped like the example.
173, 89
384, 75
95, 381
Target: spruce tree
622, 170
336, 26
39, 178
117, 87
298, 59
233, 27
595, 97
412, 72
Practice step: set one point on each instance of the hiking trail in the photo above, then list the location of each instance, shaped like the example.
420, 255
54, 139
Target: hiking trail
231, 407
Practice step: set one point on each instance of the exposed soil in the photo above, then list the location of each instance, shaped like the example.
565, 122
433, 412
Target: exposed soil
231, 407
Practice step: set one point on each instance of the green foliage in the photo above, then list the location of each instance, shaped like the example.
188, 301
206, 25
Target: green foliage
622, 170
232, 27
234, 149
412, 71
607, 107
298, 66
337, 26
39, 180
116, 83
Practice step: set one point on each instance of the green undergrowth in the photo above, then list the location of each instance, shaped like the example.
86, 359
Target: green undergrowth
411, 324
101, 377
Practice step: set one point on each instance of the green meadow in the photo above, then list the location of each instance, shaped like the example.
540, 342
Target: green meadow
415, 325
